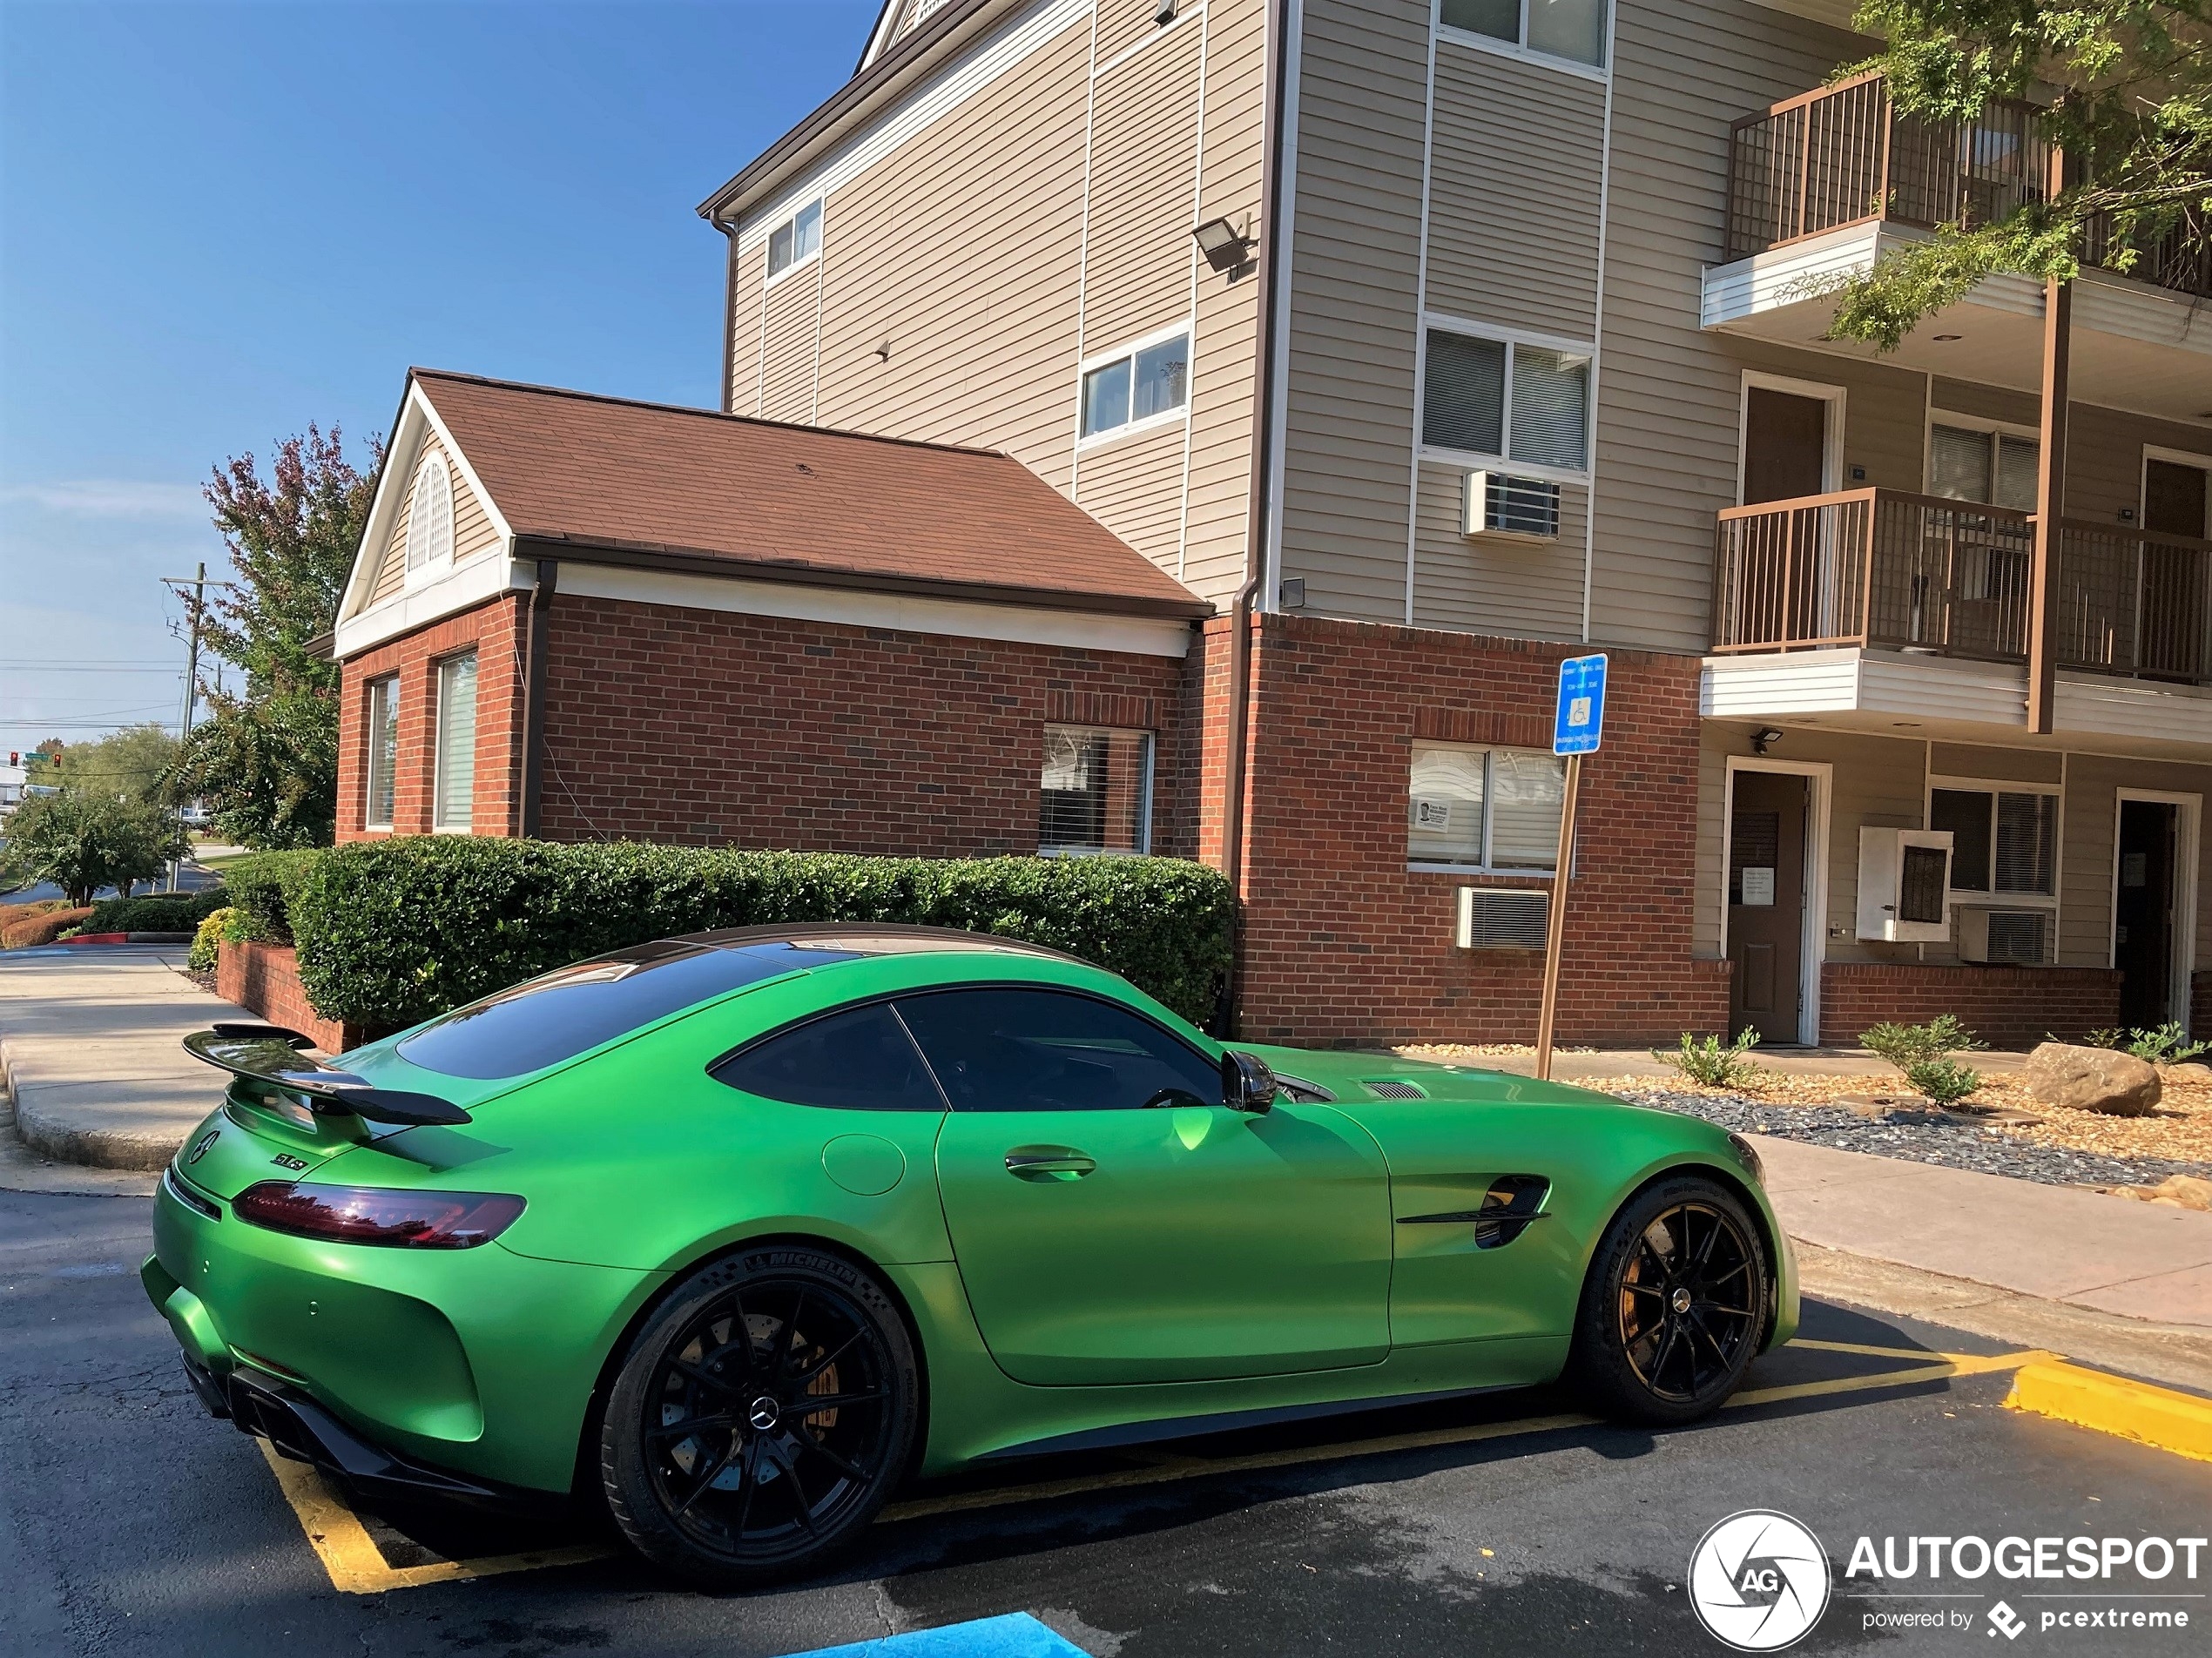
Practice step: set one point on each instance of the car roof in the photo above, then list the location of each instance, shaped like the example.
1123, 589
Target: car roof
872, 939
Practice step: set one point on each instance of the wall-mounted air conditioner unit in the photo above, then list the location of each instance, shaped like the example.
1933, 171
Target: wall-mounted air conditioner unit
2012, 938
1503, 917
1904, 875
1497, 504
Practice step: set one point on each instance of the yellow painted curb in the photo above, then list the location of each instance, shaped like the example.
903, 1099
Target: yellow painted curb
2181, 1423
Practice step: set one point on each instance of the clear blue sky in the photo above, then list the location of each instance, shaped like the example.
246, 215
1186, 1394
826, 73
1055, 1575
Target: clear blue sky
218, 223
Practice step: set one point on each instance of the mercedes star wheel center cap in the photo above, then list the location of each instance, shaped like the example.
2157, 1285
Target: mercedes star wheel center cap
764, 1415
1680, 1301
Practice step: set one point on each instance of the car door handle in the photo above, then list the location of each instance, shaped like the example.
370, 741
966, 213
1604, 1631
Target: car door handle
1047, 1162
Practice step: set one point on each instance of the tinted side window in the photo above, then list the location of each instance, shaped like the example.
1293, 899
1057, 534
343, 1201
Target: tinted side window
1041, 1050
859, 1060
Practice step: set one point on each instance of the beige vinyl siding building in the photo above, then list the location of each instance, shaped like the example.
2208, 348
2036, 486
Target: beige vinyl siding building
1525, 382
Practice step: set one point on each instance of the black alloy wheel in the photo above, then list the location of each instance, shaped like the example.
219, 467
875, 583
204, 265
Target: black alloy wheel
1674, 1304
762, 1416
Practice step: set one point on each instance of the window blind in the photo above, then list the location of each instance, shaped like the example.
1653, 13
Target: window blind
456, 780
1463, 396
1550, 406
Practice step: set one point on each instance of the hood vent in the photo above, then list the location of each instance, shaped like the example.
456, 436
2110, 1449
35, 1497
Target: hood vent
1387, 1089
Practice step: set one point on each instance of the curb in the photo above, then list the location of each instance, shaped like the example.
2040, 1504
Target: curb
2158, 1417
127, 938
89, 1148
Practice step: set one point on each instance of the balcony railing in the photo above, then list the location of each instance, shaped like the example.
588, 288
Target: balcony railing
1881, 568
1843, 156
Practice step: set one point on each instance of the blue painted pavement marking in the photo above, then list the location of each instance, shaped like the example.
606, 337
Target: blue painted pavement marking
1015, 1636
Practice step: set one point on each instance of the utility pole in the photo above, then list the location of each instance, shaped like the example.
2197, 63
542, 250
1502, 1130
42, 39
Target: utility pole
198, 582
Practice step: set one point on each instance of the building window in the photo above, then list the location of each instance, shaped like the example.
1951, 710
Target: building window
430, 515
1150, 382
383, 749
456, 793
1495, 809
1996, 469
1572, 29
1528, 403
796, 240
1097, 791
2002, 840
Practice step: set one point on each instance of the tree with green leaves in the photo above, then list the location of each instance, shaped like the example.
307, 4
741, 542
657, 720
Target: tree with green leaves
2123, 87
135, 763
84, 840
266, 758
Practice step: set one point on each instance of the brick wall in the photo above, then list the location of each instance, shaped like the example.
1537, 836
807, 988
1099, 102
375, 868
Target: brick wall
1343, 944
702, 726
264, 980
2006, 1008
496, 632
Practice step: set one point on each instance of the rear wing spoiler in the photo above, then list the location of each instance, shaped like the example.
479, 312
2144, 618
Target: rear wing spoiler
272, 1054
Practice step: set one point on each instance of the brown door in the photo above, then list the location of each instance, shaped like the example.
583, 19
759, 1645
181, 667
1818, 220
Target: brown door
1785, 445
2174, 611
2143, 917
1766, 904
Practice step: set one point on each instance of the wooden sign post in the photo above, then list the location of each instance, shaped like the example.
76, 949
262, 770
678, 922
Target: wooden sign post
1577, 727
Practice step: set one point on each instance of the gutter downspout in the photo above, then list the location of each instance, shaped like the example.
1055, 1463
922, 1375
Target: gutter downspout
541, 618
1256, 522
729, 312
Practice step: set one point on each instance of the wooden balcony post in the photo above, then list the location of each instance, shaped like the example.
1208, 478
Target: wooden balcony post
2050, 484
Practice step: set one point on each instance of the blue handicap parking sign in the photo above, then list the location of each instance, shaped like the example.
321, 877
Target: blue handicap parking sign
1579, 721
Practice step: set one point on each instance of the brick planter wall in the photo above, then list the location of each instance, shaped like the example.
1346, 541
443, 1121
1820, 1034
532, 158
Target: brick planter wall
2008, 1008
264, 980
1344, 945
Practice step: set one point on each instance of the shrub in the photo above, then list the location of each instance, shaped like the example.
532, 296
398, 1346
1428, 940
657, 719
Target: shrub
43, 928
392, 932
261, 888
2168, 1045
1922, 1053
1711, 1061
207, 940
173, 912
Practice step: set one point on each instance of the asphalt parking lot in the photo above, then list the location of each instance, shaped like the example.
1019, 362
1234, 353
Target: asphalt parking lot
130, 1522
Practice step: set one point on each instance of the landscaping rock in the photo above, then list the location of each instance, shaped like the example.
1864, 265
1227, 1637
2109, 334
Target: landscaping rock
2091, 1079
2186, 1074
2175, 1191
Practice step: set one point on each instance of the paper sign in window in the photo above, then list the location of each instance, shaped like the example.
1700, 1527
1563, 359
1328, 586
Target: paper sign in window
1758, 885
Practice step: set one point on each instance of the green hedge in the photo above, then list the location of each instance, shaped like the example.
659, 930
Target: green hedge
162, 912
392, 932
261, 888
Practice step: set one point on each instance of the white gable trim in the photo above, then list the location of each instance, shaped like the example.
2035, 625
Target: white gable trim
463, 587
418, 422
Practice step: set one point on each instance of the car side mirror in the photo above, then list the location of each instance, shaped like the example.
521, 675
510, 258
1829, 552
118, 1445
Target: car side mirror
1246, 1083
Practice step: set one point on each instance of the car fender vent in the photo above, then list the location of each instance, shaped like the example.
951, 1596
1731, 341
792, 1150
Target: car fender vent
1507, 1208
1384, 1088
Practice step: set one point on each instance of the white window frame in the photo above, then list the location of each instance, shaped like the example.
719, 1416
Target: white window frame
2182, 970
1838, 402
1519, 50
1144, 848
1993, 900
790, 221
438, 733
1476, 459
1821, 777
1489, 865
1180, 414
435, 563
376, 734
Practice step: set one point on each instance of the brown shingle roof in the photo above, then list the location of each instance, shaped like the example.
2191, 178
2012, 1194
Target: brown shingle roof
720, 492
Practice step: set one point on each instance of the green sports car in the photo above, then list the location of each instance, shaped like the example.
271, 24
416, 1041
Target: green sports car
735, 1232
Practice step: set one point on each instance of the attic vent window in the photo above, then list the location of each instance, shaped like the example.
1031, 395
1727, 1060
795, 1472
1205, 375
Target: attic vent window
430, 515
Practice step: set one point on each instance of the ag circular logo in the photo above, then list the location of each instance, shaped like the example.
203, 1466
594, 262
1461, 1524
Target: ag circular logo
205, 1142
1758, 1580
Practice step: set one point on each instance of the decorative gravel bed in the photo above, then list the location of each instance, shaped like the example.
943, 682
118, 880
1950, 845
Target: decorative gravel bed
1955, 1144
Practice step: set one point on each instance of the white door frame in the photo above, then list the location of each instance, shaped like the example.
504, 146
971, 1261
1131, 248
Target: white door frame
1814, 929
2182, 967
1831, 455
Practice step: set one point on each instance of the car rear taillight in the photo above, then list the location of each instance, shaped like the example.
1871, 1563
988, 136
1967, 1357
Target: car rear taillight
404, 1220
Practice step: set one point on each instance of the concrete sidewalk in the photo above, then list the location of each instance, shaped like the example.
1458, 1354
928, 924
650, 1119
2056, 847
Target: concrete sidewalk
90, 1049
2054, 1243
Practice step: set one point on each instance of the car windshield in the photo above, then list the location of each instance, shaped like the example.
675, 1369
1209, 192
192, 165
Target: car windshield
560, 1014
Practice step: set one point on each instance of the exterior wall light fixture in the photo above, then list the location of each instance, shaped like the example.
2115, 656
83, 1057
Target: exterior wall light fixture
1227, 246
